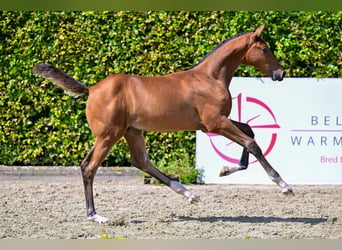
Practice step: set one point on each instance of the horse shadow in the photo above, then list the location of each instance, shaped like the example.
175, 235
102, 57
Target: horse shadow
254, 219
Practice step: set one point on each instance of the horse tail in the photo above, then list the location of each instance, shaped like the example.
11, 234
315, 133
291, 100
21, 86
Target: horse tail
50, 72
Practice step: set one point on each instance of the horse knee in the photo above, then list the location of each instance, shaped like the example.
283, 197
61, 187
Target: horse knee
254, 148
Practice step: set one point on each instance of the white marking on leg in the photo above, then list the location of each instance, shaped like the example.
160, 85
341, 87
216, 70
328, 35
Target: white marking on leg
286, 189
227, 170
180, 189
97, 218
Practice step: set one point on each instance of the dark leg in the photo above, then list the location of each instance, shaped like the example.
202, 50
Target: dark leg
136, 143
229, 130
89, 167
244, 161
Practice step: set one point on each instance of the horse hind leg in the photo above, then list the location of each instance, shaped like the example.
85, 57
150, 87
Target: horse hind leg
89, 168
244, 160
140, 159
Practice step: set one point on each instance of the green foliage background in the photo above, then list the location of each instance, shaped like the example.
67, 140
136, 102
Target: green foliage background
40, 125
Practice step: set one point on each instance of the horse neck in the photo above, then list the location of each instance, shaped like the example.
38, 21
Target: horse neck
222, 63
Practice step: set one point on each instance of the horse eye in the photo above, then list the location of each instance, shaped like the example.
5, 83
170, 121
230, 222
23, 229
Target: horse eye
265, 50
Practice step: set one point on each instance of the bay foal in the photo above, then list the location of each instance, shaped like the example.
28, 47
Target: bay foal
194, 99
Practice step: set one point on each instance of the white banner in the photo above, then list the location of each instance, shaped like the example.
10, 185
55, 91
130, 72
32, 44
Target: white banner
297, 123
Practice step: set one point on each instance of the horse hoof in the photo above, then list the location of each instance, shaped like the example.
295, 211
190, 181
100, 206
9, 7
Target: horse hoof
98, 218
225, 171
288, 191
194, 199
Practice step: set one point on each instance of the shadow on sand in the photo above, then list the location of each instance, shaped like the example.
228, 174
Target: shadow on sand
254, 219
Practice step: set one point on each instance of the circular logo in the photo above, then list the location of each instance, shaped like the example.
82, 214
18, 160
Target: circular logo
259, 117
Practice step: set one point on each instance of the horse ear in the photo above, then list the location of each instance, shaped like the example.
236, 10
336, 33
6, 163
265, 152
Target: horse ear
258, 31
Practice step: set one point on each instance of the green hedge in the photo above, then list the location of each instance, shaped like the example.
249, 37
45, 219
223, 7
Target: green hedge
40, 125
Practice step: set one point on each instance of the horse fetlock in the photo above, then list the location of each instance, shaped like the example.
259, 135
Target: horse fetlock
286, 189
180, 189
177, 187
194, 199
243, 164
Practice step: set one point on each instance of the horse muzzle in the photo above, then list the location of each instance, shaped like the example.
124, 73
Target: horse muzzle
278, 75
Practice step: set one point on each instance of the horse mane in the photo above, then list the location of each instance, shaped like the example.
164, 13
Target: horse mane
217, 47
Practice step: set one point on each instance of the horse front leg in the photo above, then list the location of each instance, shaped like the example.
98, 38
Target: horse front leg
244, 160
140, 159
227, 128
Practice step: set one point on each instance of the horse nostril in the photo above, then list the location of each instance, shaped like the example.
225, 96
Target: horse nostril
282, 75
278, 75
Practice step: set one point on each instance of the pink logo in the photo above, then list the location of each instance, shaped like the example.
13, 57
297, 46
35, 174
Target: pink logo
256, 114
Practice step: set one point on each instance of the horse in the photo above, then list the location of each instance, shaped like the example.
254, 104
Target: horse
198, 98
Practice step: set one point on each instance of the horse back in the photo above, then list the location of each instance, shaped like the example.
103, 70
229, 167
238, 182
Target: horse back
160, 103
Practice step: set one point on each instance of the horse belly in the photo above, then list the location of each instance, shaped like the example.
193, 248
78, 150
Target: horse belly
167, 123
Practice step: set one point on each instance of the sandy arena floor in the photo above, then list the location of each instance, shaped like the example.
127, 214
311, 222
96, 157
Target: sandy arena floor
54, 208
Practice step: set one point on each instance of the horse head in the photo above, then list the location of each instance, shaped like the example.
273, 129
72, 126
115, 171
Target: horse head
260, 56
